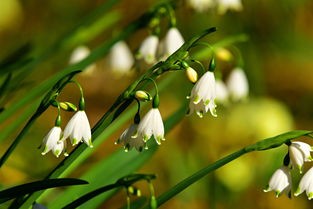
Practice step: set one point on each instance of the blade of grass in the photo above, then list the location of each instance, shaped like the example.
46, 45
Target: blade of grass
41, 89
27, 188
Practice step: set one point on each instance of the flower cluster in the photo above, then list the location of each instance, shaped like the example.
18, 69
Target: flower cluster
152, 49
143, 129
280, 182
77, 130
208, 89
221, 5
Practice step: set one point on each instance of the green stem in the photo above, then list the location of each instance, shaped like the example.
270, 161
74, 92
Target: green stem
264, 144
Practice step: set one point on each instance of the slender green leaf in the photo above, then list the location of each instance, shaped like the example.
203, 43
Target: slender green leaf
264, 144
122, 182
27, 188
46, 85
276, 141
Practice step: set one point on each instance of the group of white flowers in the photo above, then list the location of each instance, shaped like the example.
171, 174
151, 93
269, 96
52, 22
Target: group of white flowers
298, 154
138, 134
151, 50
77, 129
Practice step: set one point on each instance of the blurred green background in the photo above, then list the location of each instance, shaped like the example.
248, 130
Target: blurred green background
278, 62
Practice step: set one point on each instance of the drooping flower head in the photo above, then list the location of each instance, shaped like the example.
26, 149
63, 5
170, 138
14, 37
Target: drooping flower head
173, 40
152, 124
129, 141
280, 181
203, 95
306, 184
52, 142
237, 84
148, 49
80, 53
121, 58
78, 129
299, 153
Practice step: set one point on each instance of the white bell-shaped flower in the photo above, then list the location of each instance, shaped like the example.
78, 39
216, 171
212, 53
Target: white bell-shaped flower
148, 49
224, 5
203, 95
200, 5
237, 85
280, 181
306, 184
121, 58
80, 53
173, 40
129, 141
299, 153
52, 142
221, 92
78, 129
151, 124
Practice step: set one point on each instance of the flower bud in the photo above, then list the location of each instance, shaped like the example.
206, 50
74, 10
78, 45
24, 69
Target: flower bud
223, 54
143, 96
67, 106
192, 75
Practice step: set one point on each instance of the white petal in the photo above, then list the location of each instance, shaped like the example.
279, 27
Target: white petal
51, 139
305, 149
145, 125
121, 58
200, 5
79, 54
173, 41
148, 49
58, 148
280, 181
237, 84
305, 182
224, 5
86, 130
69, 128
158, 128
296, 156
